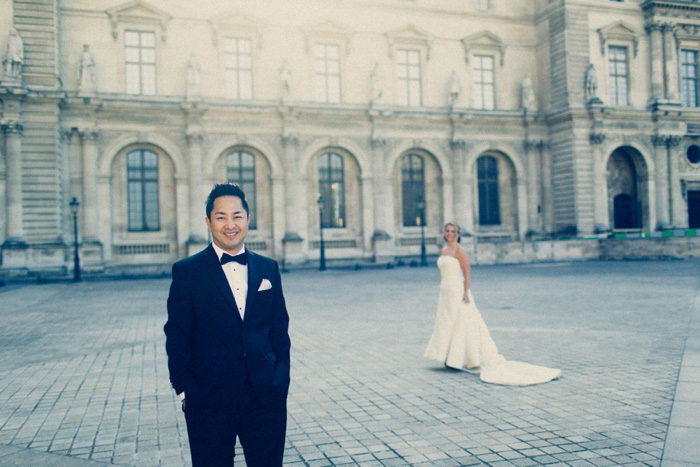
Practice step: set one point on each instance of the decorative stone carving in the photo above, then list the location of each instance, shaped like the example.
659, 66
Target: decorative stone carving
590, 86
285, 78
11, 127
375, 81
87, 84
528, 101
193, 90
455, 89
13, 58
597, 138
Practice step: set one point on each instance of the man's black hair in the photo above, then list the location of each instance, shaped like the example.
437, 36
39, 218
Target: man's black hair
225, 189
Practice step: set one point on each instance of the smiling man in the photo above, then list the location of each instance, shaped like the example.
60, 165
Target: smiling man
228, 343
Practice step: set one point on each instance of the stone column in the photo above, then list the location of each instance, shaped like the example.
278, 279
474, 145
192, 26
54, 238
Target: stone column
601, 217
546, 186
670, 63
367, 213
459, 188
89, 201
197, 226
663, 210
382, 242
278, 215
656, 49
533, 192
293, 241
679, 214
521, 193
468, 226
15, 213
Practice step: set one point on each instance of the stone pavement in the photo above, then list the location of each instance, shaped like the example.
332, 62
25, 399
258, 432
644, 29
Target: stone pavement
83, 376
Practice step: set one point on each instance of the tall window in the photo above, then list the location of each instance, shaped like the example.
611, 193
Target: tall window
409, 77
487, 173
140, 58
238, 68
327, 71
240, 169
142, 182
619, 75
484, 82
689, 77
331, 186
412, 188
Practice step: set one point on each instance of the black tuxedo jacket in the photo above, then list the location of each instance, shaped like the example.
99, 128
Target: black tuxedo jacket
211, 350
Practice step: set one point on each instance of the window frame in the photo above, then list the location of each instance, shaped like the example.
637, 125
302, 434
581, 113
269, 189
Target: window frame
404, 79
695, 79
325, 78
332, 199
143, 180
237, 70
479, 85
615, 78
488, 191
412, 190
139, 65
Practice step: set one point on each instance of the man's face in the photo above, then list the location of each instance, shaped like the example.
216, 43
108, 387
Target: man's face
229, 223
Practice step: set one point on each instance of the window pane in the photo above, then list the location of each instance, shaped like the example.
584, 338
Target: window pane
487, 174
331, 182
409, 77
327, 71
131, 38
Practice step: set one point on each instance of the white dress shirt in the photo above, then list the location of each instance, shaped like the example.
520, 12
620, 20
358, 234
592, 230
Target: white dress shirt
237, 276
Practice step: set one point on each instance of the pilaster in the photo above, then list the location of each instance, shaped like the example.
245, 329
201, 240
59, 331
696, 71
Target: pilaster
90, 138
12, 131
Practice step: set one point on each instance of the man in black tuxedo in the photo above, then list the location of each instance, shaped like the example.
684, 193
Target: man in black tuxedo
227, 342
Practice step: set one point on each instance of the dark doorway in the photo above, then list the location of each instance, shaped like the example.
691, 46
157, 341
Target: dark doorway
694, 209
625, 212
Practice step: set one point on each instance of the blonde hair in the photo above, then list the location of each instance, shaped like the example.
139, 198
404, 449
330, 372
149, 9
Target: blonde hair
459, 231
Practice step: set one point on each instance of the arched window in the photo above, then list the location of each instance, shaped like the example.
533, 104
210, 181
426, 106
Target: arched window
240, 169
142, 181
331, 186
489, 208
413, 189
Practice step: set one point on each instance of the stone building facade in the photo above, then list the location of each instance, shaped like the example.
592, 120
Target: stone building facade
518, 119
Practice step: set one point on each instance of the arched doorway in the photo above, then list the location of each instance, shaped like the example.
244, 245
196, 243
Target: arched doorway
627, 179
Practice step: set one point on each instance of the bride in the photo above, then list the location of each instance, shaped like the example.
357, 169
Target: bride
460, 338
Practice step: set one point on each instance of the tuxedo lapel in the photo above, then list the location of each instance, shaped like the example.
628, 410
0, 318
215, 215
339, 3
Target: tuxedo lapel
213, 266
254, 280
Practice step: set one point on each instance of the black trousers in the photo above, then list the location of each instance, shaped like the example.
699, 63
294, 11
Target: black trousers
259, 425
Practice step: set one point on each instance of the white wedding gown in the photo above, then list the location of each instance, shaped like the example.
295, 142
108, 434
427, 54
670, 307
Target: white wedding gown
461, 339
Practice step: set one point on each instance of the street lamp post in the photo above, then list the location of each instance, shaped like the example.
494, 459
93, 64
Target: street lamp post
322, 261
76, 258
421, 207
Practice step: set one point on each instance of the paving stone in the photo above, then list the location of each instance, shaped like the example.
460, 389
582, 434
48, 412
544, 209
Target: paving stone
83, 371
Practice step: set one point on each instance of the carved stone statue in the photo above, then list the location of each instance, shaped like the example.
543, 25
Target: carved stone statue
193, 79
14, 57
527, 95
455, 89
590, 85
375, 79
88, 82
285, 78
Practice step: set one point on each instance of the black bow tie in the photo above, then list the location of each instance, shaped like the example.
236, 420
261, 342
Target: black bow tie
241, 258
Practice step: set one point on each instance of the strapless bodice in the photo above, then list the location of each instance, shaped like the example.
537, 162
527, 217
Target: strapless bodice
451, 272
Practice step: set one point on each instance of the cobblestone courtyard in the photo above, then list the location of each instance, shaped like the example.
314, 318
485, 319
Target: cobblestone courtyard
83, 370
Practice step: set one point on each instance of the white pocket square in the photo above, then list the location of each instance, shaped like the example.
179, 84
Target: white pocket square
264, 285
